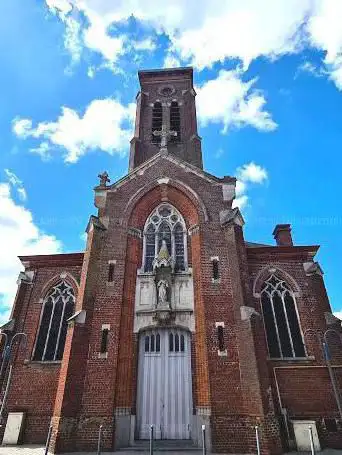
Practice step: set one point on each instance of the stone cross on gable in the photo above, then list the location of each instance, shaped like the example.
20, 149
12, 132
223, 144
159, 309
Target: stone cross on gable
164, 135
104, 179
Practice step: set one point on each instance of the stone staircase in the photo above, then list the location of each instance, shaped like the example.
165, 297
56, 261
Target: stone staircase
170, 445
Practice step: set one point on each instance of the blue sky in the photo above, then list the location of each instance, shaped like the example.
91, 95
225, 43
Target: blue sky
269, 81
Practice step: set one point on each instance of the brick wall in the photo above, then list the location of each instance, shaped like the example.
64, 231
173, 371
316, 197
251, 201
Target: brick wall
34, 384
238, 389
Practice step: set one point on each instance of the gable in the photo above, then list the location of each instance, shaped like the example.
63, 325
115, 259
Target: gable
211, 193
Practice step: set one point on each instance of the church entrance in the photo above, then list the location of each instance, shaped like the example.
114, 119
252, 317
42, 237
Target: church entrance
164, 396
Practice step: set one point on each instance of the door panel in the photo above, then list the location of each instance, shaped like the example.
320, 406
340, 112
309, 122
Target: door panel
164, 384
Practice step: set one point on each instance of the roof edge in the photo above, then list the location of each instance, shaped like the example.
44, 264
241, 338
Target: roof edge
142, 74
220, 180
61, 258
283, 250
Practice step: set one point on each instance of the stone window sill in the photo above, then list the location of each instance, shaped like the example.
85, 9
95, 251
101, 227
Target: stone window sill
216, 280
42, 362
291, 359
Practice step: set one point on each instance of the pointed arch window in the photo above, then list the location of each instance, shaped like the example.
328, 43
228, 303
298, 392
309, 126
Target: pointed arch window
284, 336
165, 223
58, 307
152, 343
176, 342
157, 121
175, 121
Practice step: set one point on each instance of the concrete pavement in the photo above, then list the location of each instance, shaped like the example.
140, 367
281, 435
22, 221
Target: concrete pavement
39, 450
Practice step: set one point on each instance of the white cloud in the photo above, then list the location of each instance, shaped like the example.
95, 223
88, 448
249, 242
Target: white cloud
19, 235
240, 201
43, 150
59, 6
325, 32
171, 61
309, 67
240, 187
247, 173
229, 100
17, 184
21, 127
97, 39
72, 39
91, 72
243, 30
105, 125
202, 33
146, 44
252, 172
219, 153
338, 314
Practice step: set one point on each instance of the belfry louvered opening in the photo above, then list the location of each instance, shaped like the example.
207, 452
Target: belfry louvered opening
175, 121
157, 121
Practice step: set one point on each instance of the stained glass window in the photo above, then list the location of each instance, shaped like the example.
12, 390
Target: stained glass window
165, 223
284, 337
57, 308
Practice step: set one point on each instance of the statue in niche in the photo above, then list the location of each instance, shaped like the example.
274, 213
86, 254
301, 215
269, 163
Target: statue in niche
163, 259
162, 292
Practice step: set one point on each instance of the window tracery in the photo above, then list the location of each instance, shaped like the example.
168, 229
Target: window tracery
58, 307
284, 337
165, 223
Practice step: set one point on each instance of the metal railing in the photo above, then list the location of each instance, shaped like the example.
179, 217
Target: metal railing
312, 445
151, 439
99, 440
48, 439
8, 352
204, 443
257, 440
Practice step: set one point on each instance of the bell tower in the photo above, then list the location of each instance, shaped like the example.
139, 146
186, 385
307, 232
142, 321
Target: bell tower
166, 117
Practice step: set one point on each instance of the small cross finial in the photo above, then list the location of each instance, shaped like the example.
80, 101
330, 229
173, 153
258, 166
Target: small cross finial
164, 135
104, 179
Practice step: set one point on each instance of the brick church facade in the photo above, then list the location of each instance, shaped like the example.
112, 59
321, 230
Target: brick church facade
170, 316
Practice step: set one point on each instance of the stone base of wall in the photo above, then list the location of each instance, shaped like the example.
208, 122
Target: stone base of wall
236, 434
36, 428
227, 434
124, 428
76, 435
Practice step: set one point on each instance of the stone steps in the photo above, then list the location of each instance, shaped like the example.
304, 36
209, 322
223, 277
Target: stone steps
163, 446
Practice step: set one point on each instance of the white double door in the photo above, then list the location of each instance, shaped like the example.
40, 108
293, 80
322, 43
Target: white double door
164, 384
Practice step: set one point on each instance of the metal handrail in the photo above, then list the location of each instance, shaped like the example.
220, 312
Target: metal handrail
99, 440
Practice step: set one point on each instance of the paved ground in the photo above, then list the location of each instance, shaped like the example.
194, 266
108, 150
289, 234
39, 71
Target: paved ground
39, 450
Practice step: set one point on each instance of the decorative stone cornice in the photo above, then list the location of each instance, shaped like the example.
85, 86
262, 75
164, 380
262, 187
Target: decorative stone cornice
77, 318
247, 312
193, 230
231, 216
134, 232
331, 319
312, 268
94, 222
8, 326
25, 277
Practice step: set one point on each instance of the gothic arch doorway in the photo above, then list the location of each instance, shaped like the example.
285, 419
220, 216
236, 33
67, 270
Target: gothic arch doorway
164, 395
